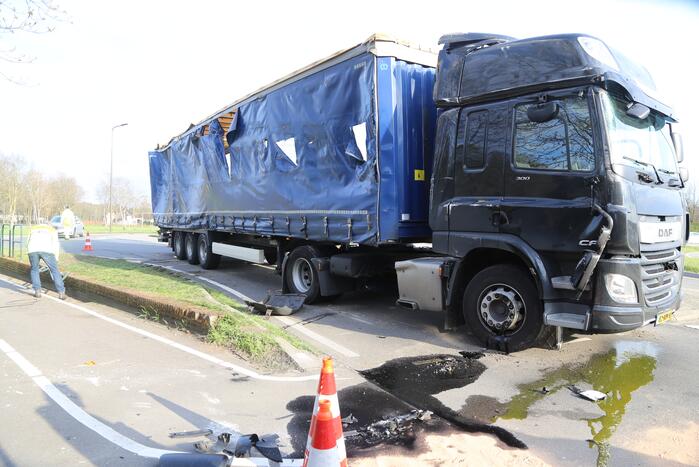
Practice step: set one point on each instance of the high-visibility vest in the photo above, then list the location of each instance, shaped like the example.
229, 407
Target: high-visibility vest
43, 239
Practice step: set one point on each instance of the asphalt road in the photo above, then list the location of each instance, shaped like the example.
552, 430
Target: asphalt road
122, 374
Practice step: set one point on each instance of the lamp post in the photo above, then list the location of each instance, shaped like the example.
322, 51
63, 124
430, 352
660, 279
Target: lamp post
111, 173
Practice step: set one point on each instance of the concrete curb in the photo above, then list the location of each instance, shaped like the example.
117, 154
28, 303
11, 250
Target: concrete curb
195, 317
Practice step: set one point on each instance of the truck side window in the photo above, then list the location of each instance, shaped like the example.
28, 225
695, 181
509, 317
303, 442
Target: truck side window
563, 143
475, 139
470, 139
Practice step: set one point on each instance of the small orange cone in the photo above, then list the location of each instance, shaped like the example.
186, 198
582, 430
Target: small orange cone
327, 392
88, 243
323, 451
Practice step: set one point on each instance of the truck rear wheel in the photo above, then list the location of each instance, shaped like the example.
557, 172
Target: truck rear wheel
502, 308
301, 275
190, 246
178, 245
207, 258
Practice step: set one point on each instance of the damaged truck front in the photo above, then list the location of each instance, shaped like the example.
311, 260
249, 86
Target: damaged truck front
554, 199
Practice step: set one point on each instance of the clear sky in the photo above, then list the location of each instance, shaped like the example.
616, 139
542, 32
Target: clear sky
160, 65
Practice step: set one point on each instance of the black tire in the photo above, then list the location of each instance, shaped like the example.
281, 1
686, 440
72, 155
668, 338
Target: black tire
301, 275
190, 247
178, 245
207, 258
502, 308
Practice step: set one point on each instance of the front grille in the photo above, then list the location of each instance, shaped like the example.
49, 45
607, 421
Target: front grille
660, 275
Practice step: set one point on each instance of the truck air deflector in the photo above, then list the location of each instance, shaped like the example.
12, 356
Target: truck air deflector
499, 68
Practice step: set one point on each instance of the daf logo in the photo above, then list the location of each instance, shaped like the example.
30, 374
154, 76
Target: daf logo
664, 233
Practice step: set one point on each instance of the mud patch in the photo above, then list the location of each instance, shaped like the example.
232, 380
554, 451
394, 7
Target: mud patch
373, 410
484, 409
416, 380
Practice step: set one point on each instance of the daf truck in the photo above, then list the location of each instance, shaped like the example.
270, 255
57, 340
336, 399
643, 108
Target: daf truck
516, 185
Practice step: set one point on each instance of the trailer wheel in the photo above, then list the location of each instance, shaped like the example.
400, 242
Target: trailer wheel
300, 274
190, 246
178, 245
207, 258
502, 308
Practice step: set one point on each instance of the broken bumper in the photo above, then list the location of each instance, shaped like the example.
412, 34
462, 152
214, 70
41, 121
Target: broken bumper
658, 279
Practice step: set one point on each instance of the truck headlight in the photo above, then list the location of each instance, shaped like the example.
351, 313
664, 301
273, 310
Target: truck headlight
621, 288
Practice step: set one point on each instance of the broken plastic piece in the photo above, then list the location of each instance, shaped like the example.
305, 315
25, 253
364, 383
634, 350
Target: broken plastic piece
348, 420
187, 434
590, 394
278, 304
268, 446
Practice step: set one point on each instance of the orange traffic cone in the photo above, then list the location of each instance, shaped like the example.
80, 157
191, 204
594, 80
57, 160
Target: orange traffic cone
88, 243
328, 392
323, 451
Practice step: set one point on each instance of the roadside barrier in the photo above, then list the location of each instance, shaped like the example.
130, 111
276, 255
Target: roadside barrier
327, 392
88, 242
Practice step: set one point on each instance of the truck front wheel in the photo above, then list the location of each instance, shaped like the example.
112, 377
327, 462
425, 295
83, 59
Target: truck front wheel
502, 308
178, 245
190, 246
301, 275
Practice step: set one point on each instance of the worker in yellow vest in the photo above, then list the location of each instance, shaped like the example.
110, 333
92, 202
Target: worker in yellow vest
68, 221
43, 244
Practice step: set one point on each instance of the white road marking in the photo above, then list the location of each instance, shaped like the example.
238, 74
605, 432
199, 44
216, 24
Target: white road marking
105, 431
693, 326
286, 320
204, 356
290, 322
76, 412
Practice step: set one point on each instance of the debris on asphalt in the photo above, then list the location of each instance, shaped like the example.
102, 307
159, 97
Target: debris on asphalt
277, 303
416, 380
389, 429
90, 363
188, 434
543, 390
238, 444
471, 354
348, 420
590, 394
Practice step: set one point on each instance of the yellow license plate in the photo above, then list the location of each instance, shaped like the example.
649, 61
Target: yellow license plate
664, 316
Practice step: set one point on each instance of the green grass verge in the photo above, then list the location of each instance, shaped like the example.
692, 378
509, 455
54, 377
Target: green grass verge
250, 335
101, 228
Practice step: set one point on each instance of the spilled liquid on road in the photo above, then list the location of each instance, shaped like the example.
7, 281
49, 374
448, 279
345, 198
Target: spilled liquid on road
617, 373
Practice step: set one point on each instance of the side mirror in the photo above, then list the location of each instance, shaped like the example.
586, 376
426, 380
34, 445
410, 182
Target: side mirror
679, 148
684, 174
541, 113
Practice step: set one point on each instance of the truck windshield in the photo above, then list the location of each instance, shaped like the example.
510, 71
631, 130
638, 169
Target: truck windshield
646, 141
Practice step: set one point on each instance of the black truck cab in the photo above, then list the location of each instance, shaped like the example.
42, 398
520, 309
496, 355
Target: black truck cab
554, 164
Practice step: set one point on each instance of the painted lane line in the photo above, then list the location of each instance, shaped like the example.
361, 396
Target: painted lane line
105, 431
164, 340
290, 322
76, 412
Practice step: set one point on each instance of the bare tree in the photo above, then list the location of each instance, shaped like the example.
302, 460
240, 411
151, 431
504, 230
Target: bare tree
29, 16
10, 185
691, 197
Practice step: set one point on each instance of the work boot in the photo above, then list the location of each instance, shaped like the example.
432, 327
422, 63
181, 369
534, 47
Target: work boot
37, 293
62, 296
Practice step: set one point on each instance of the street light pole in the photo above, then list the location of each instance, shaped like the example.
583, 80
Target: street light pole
111, 173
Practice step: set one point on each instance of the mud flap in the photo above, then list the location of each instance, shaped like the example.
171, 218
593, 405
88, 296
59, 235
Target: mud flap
329, 283
282, 304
